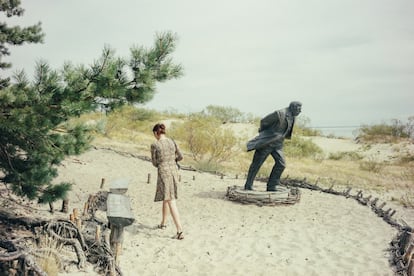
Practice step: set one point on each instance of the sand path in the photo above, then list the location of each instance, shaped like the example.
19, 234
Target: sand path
321, 235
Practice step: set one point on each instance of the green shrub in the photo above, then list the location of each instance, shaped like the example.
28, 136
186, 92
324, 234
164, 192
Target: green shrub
300, 147
205, 139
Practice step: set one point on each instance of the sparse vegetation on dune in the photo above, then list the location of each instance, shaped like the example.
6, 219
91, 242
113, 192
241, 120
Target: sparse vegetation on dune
393, 132
210, 145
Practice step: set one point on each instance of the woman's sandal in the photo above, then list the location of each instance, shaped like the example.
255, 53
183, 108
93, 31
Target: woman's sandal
179, 236
161, 226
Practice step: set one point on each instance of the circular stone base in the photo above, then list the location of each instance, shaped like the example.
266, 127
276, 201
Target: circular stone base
259, 196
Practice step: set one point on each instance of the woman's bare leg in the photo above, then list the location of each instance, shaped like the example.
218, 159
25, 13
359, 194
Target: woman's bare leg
175, 215
164, 213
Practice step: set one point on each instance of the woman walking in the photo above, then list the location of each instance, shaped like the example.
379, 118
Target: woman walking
164, 156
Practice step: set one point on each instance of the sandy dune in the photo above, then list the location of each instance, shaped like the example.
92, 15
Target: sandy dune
321, 235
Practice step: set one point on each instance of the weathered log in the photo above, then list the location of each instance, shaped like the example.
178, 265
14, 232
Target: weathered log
8, 216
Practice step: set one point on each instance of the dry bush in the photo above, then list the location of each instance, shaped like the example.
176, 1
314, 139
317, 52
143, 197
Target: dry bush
407, 200
371, 165
391, 132
207, 143
48, 255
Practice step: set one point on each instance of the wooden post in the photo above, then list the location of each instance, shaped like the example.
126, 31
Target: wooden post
51, 207
118, 251
65, 205
98, 235
221, 176
193, 177
237, 176
179, 178
78, 222
149, 178
102, 182
71, 218
85, 208
116, 239
75, 214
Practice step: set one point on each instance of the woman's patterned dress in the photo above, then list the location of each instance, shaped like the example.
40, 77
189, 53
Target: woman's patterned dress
164, 154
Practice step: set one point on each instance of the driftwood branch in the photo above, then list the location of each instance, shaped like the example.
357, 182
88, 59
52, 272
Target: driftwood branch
67, 233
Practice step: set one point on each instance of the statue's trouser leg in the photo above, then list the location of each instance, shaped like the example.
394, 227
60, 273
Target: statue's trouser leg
277, 170
258, 158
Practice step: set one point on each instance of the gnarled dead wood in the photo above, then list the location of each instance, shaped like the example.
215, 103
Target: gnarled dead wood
67, 233
20, 254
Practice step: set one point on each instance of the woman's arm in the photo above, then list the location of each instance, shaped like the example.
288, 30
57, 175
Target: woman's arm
178, 155
154, 158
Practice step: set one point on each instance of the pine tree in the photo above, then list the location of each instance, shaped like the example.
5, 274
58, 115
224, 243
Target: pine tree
15, 35
34, 134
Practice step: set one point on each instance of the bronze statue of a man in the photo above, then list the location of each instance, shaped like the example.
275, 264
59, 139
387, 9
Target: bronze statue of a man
274, 128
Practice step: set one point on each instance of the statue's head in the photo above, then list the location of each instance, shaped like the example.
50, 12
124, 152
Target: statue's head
295, 108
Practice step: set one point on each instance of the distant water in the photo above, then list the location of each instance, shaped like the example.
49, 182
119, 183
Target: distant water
345, 131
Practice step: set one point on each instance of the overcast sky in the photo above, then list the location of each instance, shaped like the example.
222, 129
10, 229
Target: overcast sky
350, 62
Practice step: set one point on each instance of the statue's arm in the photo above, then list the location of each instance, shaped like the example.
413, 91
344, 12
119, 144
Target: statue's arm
269, 120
